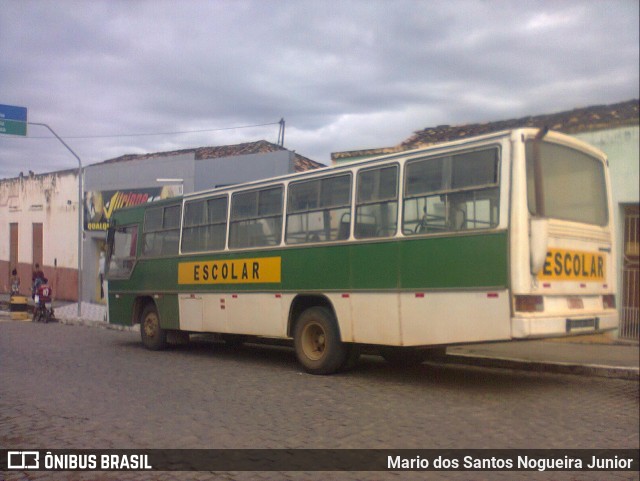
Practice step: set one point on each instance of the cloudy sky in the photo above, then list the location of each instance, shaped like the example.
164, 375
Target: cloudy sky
117, 77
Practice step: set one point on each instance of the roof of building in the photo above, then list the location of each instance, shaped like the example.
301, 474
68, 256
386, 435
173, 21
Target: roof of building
260, 147
597, 117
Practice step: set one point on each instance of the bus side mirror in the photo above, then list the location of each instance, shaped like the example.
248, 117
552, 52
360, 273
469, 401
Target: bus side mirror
538, 243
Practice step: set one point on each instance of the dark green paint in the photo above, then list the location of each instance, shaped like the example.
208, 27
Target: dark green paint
473, 260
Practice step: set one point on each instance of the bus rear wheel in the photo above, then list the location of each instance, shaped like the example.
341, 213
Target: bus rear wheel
153, 336
317, 342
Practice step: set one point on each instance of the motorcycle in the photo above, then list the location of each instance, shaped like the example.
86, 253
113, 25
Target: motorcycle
43, 310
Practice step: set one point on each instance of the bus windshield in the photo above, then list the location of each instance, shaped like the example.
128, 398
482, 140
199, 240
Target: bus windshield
573, 184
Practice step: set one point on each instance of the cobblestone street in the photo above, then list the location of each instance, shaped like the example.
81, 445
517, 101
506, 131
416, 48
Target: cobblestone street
72, 387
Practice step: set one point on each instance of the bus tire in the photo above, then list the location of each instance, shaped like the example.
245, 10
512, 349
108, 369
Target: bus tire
317, 342
152, 335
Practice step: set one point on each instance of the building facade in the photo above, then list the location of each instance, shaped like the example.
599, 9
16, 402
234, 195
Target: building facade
39, 224
39, 213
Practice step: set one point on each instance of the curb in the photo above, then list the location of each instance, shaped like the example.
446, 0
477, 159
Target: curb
98, 324
78, 322
613, 372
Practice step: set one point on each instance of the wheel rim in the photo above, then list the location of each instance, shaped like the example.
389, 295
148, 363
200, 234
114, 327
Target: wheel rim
314, 341
150, 325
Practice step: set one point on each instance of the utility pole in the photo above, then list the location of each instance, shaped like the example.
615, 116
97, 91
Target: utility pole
80, 211
281, 133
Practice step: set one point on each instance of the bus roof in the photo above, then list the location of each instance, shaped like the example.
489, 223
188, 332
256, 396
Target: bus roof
527, 132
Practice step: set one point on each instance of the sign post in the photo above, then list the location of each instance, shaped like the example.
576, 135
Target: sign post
13, 120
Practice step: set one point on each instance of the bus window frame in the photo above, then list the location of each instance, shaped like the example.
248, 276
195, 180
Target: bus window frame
319, 208
162, 231
206, 199
498, 186
356, 203
257, 217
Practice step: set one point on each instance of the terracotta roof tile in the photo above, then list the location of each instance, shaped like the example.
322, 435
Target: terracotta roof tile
262, 146
575, 121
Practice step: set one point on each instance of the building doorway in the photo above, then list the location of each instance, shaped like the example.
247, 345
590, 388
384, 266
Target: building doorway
13, 250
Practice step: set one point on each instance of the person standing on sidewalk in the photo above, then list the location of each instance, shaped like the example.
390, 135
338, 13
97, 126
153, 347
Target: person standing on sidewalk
37, 273
37, 278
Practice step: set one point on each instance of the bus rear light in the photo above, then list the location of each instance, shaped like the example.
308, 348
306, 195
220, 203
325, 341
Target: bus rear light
609, 301
529, 304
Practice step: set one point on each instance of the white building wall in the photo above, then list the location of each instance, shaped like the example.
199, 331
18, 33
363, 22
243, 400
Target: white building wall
622, 146
52, 200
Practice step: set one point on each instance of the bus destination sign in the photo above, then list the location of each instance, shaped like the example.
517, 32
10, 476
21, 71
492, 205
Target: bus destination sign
232, 271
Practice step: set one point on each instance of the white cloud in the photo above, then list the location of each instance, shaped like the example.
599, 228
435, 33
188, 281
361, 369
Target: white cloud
345, 75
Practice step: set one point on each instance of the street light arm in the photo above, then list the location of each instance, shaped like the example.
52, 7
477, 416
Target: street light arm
61, 141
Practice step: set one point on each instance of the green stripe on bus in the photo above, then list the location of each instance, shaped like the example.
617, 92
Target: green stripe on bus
463, 261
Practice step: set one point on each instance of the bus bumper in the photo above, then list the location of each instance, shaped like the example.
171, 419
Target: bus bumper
535, 327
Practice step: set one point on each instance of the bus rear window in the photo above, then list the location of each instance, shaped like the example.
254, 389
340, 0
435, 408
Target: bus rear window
573, 185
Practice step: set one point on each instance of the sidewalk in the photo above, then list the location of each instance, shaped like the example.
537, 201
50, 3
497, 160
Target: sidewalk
593, 355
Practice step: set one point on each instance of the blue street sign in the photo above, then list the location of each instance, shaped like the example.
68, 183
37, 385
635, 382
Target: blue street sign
13, 120
11, 112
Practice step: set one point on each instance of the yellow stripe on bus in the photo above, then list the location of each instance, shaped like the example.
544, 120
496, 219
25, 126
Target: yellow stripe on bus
564, 265
236, 271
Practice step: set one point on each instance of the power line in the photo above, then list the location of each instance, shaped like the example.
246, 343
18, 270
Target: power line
179, 132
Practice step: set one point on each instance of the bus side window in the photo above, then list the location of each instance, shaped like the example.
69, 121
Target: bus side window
205, 225
452, 193
377, 202
256, 218
318, 210
161, 231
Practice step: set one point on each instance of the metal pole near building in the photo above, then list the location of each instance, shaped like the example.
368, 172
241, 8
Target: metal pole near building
80, 211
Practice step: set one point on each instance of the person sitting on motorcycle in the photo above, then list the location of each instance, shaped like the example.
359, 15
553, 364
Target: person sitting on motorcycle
15, 282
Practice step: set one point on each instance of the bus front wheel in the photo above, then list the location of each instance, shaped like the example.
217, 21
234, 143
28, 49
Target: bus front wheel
317, 342
153, 336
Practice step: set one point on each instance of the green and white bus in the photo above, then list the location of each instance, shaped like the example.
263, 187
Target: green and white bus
498, 237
